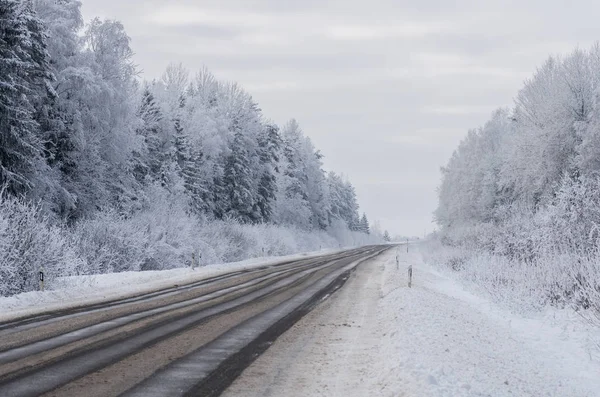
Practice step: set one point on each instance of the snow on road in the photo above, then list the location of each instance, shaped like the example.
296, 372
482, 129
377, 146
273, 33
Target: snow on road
69, 292
377, 337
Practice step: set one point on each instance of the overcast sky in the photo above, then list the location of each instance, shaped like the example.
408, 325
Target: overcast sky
385, 88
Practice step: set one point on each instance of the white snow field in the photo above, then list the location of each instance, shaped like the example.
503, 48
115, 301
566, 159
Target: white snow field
377, 337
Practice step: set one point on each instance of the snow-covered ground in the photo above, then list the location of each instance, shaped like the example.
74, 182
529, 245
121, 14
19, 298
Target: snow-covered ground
377, 337
76, 291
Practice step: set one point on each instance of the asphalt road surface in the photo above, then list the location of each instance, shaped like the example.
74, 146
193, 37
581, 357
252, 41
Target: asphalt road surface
187, 340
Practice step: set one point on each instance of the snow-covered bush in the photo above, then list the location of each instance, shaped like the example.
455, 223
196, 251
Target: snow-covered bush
572, 220
586, 291
171, 233
350, 238
165, 236
162, 236
232, 241
28, 243
563, 280
110, 243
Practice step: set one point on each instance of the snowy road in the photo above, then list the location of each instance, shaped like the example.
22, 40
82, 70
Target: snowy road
377, 337
185, 340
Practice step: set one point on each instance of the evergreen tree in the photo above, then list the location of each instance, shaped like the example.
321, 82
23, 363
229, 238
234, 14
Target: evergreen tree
189, 162
60, 116
386, 236
193, 184
24, 76
296, 169
181, 145
219, 202
238, 182
364, 225
269, 147
342, 202
153, 163
316, 187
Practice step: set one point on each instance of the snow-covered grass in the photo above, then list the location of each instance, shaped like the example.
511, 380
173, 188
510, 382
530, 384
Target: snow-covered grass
564, 285
448, 340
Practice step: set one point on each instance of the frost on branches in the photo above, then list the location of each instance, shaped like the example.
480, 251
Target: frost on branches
101, 172
522, 193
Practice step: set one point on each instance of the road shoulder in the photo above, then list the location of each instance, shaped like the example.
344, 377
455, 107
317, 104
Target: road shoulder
334, 350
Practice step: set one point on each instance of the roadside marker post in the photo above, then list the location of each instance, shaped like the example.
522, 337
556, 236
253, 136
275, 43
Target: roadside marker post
410, 276
193, 261
41, 278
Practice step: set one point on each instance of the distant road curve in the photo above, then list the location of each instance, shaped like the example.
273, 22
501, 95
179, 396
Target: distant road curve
188, 340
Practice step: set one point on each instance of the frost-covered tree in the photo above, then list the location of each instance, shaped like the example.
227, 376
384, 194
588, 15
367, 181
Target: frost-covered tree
363, 224
304, 180
269, 147
386, 236
25, 81
110, 132
511, 171
343, 203
237, 180
149, 159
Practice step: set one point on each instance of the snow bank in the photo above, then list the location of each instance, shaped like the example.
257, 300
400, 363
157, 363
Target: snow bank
553, 280
77, 291
451, 342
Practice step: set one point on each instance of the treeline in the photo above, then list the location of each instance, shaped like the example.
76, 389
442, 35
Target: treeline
84, 141
526, 185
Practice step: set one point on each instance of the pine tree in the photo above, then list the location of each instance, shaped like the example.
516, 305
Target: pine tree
269, 146
267, 188
342, 202
350, 206
193, 184
153, 165
180, 141
219, 202
24, 80
189, 162
60, 115
296, 169
316, 187
364, 224
238, 182
386, 236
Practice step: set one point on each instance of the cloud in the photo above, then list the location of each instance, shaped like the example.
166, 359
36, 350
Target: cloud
179, 15
271, 86
402, 29
459, 109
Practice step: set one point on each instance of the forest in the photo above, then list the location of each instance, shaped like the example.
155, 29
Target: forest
520, 197
102, 171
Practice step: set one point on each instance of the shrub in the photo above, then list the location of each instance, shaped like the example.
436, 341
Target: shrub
28, 243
